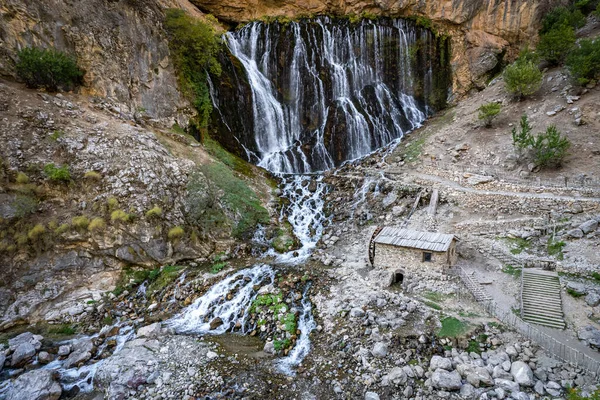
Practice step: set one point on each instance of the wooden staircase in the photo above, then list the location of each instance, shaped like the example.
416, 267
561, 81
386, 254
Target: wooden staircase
541, 302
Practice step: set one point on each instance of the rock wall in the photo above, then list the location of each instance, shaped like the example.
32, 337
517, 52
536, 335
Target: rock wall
483, 32
120, 44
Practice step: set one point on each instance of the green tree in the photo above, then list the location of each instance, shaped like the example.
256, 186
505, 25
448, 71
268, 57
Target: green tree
522, 78
584, 61
561, 16
555, 44
48, 68
523, 138
550, 148
194, 48
488, 112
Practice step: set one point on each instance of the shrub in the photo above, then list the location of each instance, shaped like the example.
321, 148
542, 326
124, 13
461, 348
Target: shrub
175, 233
24, 205
527, 55
155, 211
57, 174
48, 68
22, 179
522, 78
555, 248
92, 176
522, 138
584, 61
97, 225
81, 222
112, 203
556, 44
489, 111
562, 16
550, 148
120, 215
194, 47
218, 267
452, 327
35, 232
62, 229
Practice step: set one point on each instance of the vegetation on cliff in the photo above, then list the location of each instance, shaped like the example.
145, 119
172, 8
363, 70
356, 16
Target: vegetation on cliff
194, 47
48, 68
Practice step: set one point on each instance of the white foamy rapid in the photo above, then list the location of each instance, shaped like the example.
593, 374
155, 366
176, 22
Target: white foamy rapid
239, 287
306, 324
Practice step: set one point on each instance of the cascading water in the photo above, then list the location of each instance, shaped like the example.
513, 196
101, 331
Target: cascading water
324, 90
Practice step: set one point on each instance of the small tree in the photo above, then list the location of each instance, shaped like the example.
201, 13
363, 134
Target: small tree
556, 44
522, 78
550, 148
584, 61
489, 111
48, 68
522, 138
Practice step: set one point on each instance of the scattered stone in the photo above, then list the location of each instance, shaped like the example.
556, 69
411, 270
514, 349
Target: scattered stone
371, 396
357, 312
592, 299
150, 331
380, 349
443, 379
438, 362
522, 374
269, 347
590, 335
575, 233
215, 323
64, 350
211, 355
22, 354
45, 358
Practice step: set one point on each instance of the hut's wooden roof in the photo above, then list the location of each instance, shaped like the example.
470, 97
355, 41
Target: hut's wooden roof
432, 241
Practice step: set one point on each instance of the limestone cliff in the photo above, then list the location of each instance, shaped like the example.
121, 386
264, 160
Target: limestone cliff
482, 32
120, 44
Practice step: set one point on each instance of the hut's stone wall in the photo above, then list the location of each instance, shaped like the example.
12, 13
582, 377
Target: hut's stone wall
410, 261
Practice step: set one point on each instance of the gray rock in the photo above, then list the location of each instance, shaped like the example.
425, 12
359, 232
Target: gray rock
64, 350
553, 389
2, 360
507, 385
499, 373
397, 376
357, 312
380, 349
442, 379
22, 354
408, 392
371, 396
389, 199
35, 385
539, 388
45, 358
522, 374
592, 299
82, 351
150, 331
511, 351
467, 391
590, 335
438, 362
520, 396
27, 337
269, 347
575, 233
577, 288
589, 226
479, 376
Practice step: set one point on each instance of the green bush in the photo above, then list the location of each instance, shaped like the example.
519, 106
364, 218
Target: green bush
584, 61
120, 216
96, 225
22, 178
522, 78
175, 233
562, 16
24, 205
92, 176
48, 68
550, 148
81, 222
194, 47
489, 111
35, 232
154, 212
555, 248
522, 139
57, 174
555, 44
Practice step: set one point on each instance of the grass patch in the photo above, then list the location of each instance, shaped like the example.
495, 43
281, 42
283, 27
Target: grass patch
234, 162
120, 216
96, 225
289, 322
175, 233
518, 245
218, 267
92, 176
281, 344
22, 178
57, 174
413, 150
154, 212
596, 276
512, 270
433, 296
62, 329
433, 305
166, 275
269, 301
453, 327
555, 248
575, 293
80, 222
238, 197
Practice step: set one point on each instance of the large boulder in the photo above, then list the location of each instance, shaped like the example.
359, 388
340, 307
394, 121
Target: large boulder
589, 226
35, 385
592, 299
438, 362
22, 354
150, 331
380, 349
590, 335
522, 374
575, 233
397, 376
442, 379
507, 385
82, 351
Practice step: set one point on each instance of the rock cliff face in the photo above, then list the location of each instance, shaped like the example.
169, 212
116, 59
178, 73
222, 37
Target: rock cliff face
120, 44
483, 32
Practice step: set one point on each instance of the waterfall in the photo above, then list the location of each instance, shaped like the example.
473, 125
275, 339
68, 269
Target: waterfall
325, 90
